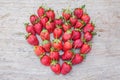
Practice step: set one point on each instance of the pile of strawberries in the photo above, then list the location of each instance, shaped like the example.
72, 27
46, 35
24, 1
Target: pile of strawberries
73, 30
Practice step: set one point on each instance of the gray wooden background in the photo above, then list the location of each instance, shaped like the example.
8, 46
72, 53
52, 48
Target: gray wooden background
18, 61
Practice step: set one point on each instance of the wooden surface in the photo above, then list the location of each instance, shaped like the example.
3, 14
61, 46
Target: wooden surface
17, 59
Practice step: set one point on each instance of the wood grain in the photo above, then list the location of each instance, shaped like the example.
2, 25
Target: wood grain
17, 59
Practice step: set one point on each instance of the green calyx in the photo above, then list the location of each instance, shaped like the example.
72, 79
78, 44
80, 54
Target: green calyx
45, 42
52, 49
93, 24
69, 62
83, 55
67, 11
41, 56
83, 6
44, 30
77, 29
69, 31
27, 35
56, 40
93, 33
58, 26
54, 62
26, 24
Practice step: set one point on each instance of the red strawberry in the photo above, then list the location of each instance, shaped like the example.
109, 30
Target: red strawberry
73, 20
32, 39
66, 14
43, 21
67, 55
77, 59
88, 28
39, 51
54, 55
50, 14
45, 35
67, 45
67, 35
34, 19
57, 44
46, 60
30, 28
76, 34
85, 18
58, 21
50, 26
46, 45
79, 24
57, 32
88, 36
66, 68
77, 43
66, 26
85, 48
41, 11
78, 12
55, 67
38, 28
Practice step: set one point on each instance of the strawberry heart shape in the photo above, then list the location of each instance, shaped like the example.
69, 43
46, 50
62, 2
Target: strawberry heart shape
73, 30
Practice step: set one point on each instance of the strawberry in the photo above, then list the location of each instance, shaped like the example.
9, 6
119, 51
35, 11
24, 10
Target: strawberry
67, 55
44, 20
58, 21
41, 11
77, 59
66, 26
67, 45
67, 35
32, 39
50, 14
55, 67
79, 24
88, 36
85, 18
45, 35
54, 55
88, 28
76, 34
46, 45
66, 68
30, 28
78, 12
73, 20
57, 44
50, 26
38, 28
77, 43
57, 32
39, 51
34, 19
66, 14
85, 48
45, 60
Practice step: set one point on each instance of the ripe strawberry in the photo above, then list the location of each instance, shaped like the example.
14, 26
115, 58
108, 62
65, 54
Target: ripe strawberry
85, 48
32, 39
30, 28
79, 24
41, 11
50, 14
76, 34
88, 28
44, 20
77, 43
77, 59
67, 35
66, 26
50, 26
54, 55
57, 32
88, 36
67, 55
73, 20
85, 18
46, 45
57, 44
66, 68
58, 21
66, 14
55, 67
46, 60
67, 45
39, 51
78, 12
34, 19
45, 35
38, 28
